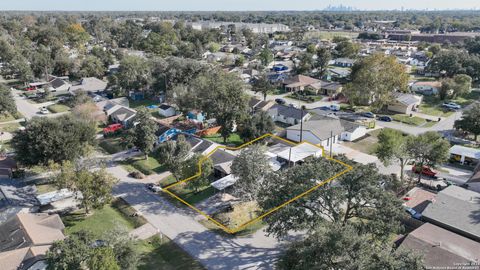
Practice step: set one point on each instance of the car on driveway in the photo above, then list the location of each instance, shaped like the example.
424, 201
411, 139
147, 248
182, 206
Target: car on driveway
385, 118
451, 106
280, 101
434, 184
427, 171
154, 188
44, 110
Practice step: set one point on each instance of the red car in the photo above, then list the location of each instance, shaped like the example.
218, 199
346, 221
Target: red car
425, 171
31, 88
112, 128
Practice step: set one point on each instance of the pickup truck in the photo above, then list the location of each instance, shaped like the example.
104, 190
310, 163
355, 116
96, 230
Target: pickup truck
425, 171
112, 128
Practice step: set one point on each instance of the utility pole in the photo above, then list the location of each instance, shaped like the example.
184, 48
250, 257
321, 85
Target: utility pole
331, 143
301, 123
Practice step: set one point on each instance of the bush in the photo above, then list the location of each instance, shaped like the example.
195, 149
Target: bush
136, 175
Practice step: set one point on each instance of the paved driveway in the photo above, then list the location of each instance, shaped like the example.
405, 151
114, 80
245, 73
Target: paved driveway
214, 251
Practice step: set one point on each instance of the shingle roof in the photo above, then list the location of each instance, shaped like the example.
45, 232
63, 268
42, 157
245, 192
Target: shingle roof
288, 111
323, 127
301, 80
123, 113
90, 84
440, 247
56, 83
221, 156
407, 99
456, 209
165, 107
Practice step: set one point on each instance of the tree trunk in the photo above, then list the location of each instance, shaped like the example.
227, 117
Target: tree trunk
476, 135
420, 173
402, 167
264, 96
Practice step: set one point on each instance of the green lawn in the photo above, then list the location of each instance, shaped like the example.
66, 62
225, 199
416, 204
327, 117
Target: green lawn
11, 127
6, 117
306, 98
190, 196
233, 140
406, 119
433, 105
101, 221
163, 253
58, 108
146, 166
112, 145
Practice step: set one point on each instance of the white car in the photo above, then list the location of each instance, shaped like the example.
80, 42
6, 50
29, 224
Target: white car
451, 106
44, 110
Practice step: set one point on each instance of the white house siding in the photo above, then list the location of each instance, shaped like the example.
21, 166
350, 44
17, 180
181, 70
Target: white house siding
294, 135
400, 108
356, 134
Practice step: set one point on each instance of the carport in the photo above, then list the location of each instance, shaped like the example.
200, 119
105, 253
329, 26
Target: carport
465, 155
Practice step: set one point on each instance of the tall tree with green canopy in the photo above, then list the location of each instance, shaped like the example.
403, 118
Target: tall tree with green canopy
134, 74
92, 66
7, 103
342, 202
265, 56
256, 125
251, 167
173, 154
142, 135
323, 57
221, 96
343, 247
262, 85
470, 121
53, 139
392, 147
191, 167
428, 149
95, 187
374, 80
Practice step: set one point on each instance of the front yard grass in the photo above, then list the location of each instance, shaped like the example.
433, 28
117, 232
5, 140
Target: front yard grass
45, 188
189, 195
112, 145
406, 119
163, 253
98, 223
146, 166
58, 108
433, 105
134, 104
11, 127
233, 140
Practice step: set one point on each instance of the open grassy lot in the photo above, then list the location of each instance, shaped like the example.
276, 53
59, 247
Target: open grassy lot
58, 108
406, 119
233, 140
146, 166
163, 253
366, 144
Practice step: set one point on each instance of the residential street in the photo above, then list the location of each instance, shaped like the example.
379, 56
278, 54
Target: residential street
29, 110
213, 250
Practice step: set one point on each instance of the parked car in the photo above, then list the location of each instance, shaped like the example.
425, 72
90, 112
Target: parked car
112, 128
335, 107
154, 188
293, 105
280, 101
434, 184
44, 110
385, 118
367, 114
427, 171
451, 106
413, 213
30, 88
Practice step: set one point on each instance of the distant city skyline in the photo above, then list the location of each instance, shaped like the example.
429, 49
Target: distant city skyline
230, 5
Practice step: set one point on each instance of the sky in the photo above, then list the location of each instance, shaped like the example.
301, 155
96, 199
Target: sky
233, 5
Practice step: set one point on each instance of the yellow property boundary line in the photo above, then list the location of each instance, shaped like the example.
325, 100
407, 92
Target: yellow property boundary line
232, 231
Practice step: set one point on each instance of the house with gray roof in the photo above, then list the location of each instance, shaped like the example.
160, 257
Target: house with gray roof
288, 115
441, 249
456, 209
121, 114
89, 85
324, 130
404, 103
